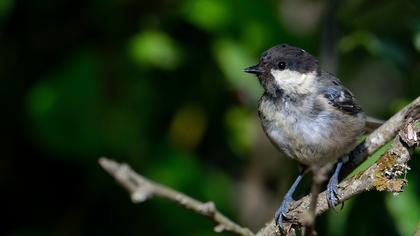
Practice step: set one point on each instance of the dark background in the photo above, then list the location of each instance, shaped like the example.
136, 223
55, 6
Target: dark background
159, 85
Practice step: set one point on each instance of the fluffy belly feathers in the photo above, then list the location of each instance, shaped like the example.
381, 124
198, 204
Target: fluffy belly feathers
309, 140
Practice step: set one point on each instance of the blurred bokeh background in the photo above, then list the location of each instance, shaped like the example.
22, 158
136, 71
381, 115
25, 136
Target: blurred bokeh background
159, 85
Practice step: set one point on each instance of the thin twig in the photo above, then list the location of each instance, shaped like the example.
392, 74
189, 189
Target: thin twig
141, 189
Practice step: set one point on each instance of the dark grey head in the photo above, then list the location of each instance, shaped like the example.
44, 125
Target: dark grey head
286, 68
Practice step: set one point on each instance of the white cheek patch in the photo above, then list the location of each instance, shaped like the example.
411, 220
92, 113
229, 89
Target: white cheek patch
293, 81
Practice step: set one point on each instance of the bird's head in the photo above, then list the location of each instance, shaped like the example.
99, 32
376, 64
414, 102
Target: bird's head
286, 69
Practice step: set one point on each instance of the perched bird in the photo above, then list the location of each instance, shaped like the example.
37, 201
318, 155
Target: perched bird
307, 113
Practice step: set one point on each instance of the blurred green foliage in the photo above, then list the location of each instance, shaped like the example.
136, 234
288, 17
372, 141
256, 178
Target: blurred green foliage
156, 49
159, 84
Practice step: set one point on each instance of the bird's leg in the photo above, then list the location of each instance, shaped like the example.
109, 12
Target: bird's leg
332, 197
284, 207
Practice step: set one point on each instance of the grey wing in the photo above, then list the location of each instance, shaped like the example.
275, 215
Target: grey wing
341, 98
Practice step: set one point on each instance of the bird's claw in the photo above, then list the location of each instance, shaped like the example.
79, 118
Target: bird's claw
281, 212
332, 194
284, 207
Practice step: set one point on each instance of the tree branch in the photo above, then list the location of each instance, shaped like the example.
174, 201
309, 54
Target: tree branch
384, 175
381, 136
141, 189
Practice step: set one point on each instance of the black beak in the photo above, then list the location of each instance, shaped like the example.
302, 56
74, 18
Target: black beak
253, 69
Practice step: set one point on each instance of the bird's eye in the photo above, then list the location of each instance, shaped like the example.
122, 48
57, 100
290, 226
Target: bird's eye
282, 65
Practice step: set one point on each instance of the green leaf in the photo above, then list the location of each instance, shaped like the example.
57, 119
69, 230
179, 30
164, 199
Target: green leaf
211, 15
155, 48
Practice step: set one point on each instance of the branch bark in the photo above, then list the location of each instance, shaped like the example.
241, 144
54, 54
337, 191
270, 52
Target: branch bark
141, 189
384, 175
381, 136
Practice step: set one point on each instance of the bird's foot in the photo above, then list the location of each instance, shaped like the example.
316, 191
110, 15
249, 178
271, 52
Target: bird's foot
281, 212
332, 194
284, 207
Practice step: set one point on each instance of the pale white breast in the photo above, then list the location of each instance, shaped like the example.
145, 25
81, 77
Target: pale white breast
308, 129
298, 135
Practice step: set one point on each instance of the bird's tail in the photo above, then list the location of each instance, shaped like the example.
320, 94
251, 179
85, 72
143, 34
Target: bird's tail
372, 124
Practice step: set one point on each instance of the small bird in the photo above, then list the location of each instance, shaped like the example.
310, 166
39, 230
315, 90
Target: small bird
307, 113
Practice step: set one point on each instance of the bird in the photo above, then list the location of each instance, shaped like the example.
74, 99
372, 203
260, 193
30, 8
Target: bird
308, 114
